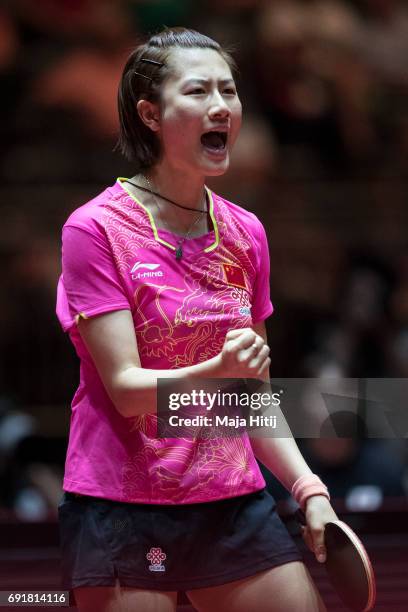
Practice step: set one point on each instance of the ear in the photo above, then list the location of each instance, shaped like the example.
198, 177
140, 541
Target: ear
149, 114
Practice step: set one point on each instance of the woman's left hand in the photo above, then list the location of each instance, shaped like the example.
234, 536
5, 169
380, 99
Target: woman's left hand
318, 512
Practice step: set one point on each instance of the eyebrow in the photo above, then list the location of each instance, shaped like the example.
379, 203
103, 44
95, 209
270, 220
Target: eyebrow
206, 81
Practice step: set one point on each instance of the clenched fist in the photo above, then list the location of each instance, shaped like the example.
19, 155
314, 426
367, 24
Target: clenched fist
244, 355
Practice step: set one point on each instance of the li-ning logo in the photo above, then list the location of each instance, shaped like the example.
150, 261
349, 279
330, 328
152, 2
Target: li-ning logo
156, 556
151, 268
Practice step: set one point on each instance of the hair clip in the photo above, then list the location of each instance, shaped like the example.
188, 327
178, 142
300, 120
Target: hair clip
142, 75
149, 61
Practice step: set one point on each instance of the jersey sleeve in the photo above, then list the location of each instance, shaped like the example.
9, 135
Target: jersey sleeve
262, 306
89, 284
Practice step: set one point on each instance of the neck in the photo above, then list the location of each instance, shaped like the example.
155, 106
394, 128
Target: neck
177, 185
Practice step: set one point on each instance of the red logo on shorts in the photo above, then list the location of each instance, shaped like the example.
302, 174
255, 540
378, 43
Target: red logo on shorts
156, 556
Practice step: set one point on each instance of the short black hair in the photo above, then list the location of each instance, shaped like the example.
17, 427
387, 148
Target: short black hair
142, 77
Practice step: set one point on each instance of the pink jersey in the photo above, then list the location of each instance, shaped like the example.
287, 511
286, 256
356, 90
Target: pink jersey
113, 258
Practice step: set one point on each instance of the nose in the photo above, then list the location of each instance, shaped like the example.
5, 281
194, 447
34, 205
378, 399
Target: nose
218, 107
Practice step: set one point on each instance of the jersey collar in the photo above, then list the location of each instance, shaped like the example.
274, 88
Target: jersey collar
208, 249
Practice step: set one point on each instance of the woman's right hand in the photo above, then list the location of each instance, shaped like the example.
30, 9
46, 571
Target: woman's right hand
245, 354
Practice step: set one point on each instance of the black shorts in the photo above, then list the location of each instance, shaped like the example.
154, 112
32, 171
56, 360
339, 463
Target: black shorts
170, 548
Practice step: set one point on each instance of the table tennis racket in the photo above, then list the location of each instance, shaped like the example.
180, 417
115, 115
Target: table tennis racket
348, 565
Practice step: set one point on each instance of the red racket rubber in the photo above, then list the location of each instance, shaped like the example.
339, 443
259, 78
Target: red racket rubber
348, 566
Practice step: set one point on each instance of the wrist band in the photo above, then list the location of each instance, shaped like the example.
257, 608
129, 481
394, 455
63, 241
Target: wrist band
306, 486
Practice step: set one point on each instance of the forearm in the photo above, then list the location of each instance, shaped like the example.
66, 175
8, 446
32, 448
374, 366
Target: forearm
282, 457
277, 449
112, 345
134, 391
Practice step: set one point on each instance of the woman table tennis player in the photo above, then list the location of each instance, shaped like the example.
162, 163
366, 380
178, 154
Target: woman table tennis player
162, 278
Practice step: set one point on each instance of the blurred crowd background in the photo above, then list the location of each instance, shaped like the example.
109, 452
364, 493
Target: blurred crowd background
322, 160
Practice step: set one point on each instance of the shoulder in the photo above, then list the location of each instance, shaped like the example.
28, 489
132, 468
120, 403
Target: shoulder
244, 218
89, 217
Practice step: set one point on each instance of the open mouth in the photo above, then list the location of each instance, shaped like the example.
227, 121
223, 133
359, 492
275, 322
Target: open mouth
214, 141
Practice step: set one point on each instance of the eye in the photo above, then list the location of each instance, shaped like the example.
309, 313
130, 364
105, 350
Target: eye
196, 91
230, 91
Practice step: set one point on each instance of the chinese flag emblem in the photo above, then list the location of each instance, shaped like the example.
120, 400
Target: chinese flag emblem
234, 275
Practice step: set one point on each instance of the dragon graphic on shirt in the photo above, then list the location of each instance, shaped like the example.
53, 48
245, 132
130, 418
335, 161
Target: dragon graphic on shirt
179, 324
